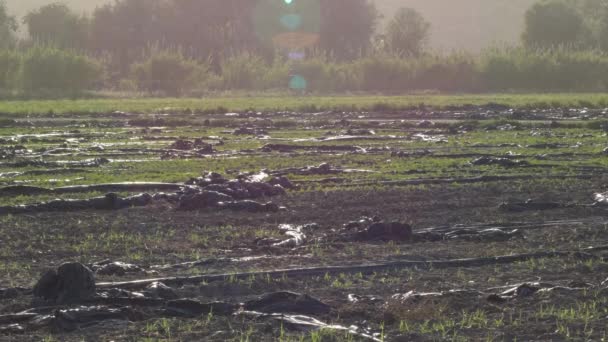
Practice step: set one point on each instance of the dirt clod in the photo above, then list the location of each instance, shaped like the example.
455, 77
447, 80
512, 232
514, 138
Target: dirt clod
505, 162
160, 290
385, 231
288, 302
70, 283
193, 308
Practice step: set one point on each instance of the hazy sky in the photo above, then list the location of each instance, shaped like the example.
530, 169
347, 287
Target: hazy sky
457, 24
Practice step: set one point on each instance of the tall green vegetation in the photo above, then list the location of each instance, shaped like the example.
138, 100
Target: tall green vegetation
553, 23
47, 71
54, 71
347, 27
10, 63
581, 24
8, 27
191, 47
57, 25
407, 33
168, 73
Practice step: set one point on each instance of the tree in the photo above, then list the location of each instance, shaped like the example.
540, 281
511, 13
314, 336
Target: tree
8, 27
407, 33
347, 27
57, 25
596, 14
553, 23
125, 29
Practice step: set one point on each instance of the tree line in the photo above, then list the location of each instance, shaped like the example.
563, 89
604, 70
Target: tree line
176, 46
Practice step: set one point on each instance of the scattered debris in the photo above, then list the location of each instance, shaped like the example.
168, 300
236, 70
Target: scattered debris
439, 139
283, 181
360, 131
9, 152
361, 223
302, 322
57, 164
505, 162
425, 124
82, 317
251, 206
202, 200
288, 302
385, 231
354, 298
109, 187
110, 201
297, 236
468, 234
193, 308
117, 268
249, 131
160, 290
531, 205
211, 190
182, 148
368, 268
486, 235
321, 169
283, 148
187, 145
423, 298
408, 154
601, 199
547, 146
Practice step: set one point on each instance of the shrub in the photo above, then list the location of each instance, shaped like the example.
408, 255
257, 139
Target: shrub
10, 62
53, 71
555, 69
385, 73
245, 71
323, 75
455, 72
169, 73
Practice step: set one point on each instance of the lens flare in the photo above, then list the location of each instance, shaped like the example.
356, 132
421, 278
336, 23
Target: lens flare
291, 21
297, 82
291, 27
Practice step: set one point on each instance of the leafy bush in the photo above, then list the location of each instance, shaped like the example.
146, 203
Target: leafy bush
320, 74
385, 73
10, 62
53, 71
169, 73
556, 69
41, 69
456, 72
245, 71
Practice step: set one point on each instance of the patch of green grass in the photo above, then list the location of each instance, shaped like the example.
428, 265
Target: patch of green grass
297, 103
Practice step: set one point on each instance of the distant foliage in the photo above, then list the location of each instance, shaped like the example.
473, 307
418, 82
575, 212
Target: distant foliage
8, 27
168, 73
191, 47
558, 69
245, 71
323, 75
57, 25
553, 23
47, 70
407, 33
347, 27
10, 63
